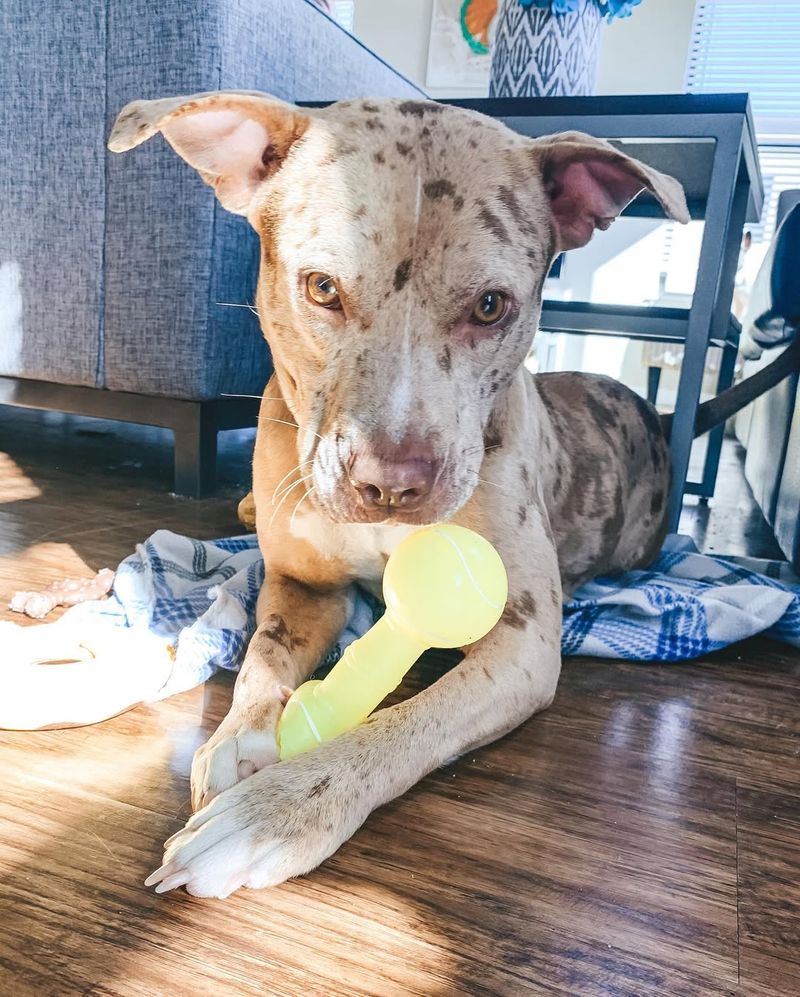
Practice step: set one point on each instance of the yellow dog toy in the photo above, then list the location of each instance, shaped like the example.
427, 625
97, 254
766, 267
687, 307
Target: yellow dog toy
444, 586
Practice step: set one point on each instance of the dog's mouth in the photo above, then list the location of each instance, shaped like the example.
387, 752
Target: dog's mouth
384, 517
344, 501
343, 507
355, 478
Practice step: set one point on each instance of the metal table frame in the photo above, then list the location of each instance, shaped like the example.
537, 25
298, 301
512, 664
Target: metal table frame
733, 195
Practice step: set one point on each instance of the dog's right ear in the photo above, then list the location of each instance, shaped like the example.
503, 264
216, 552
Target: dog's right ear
235, 139
589, 182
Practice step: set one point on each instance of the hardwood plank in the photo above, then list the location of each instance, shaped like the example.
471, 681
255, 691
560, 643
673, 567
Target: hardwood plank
639, 839
768, 847
734, 714
561, 855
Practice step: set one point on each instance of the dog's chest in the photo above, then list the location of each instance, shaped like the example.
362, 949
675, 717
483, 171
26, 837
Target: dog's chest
363, 547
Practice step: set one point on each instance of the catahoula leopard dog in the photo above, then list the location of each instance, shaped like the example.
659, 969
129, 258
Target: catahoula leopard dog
404, 245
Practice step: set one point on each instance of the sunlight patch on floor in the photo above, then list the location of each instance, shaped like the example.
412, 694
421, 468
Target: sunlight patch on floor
15, 485
39, 565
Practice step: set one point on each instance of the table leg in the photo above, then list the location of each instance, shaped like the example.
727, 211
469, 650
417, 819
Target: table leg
710, 304
716, 436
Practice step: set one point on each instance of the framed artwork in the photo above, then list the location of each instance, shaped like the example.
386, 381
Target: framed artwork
458, 52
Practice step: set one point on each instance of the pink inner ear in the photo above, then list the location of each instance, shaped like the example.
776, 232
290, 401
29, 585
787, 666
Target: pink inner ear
227, 147
588, 195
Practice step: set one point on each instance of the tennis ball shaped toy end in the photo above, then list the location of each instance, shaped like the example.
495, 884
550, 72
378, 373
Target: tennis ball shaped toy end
446, 585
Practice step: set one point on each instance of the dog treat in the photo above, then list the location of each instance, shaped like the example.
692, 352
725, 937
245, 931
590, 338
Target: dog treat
68, 592
443, 586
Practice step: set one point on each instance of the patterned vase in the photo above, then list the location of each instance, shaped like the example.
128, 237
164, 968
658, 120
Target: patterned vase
537, 53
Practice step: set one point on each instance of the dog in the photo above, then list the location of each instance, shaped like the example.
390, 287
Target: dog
404, 246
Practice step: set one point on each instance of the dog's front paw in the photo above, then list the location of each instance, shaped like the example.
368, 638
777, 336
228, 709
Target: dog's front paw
281, 822
244, 743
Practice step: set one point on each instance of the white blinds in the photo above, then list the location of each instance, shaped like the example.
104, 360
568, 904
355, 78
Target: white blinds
780, 168
754, 46
343, 11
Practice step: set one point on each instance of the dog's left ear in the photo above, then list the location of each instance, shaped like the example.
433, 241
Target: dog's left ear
589, 182
234, 139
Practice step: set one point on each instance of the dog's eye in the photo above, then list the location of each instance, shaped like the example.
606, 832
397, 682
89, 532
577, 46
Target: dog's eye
489, 308
322, 290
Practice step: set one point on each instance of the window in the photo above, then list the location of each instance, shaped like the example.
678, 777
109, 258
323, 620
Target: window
752, 45
344, 11
736, 46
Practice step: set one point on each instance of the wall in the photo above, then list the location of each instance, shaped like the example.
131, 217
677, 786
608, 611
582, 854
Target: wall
398, 32
645, 53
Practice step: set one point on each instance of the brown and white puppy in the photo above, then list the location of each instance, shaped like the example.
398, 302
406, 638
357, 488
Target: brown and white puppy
404, 249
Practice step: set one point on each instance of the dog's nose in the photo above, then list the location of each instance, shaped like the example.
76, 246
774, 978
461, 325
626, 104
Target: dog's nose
400, 481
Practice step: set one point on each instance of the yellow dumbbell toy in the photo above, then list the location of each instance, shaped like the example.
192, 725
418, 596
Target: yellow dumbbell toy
444, 586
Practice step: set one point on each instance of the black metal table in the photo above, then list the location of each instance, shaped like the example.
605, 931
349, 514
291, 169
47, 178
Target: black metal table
708, 143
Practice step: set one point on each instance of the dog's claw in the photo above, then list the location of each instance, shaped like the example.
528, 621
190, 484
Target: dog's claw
259, 833
173, 882
160, 873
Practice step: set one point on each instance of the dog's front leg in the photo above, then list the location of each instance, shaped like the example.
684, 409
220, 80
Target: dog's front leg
296, 625
288, 818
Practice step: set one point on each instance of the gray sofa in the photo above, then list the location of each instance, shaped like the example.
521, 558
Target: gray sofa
769, 428
122, 280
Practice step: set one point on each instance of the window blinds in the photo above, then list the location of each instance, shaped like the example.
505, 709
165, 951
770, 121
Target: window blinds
780, 168
754, 46
343, 11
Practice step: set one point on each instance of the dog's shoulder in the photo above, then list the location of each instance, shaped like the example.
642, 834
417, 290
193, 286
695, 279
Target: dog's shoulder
604, 404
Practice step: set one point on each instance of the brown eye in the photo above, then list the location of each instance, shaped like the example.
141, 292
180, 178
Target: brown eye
323, 291
489, 308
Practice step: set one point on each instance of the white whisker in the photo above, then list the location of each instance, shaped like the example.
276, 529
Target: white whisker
237, 304
294, 425
485, 481
302, 499
270, 418
277, 509
288, 474
265, 398
294, 484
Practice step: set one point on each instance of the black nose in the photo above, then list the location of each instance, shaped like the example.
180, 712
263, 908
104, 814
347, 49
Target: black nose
391, 482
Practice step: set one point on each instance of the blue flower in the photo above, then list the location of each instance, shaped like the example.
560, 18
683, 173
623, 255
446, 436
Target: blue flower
617, 8
609, 8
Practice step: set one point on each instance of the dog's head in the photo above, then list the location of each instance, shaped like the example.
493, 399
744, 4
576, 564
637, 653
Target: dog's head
404, 248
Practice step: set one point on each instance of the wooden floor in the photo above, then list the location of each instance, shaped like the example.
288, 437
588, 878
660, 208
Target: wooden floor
640, 838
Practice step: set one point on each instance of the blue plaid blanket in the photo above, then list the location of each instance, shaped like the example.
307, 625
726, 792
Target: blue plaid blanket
201, 596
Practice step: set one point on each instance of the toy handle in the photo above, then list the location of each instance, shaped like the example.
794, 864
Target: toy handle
319, 711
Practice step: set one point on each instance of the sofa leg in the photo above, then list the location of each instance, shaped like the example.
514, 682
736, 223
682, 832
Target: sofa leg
195, 451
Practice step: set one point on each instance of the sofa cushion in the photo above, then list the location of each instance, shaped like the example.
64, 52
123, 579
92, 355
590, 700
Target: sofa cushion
773, 308
180, 269
787, 509
52, 135
767, 422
